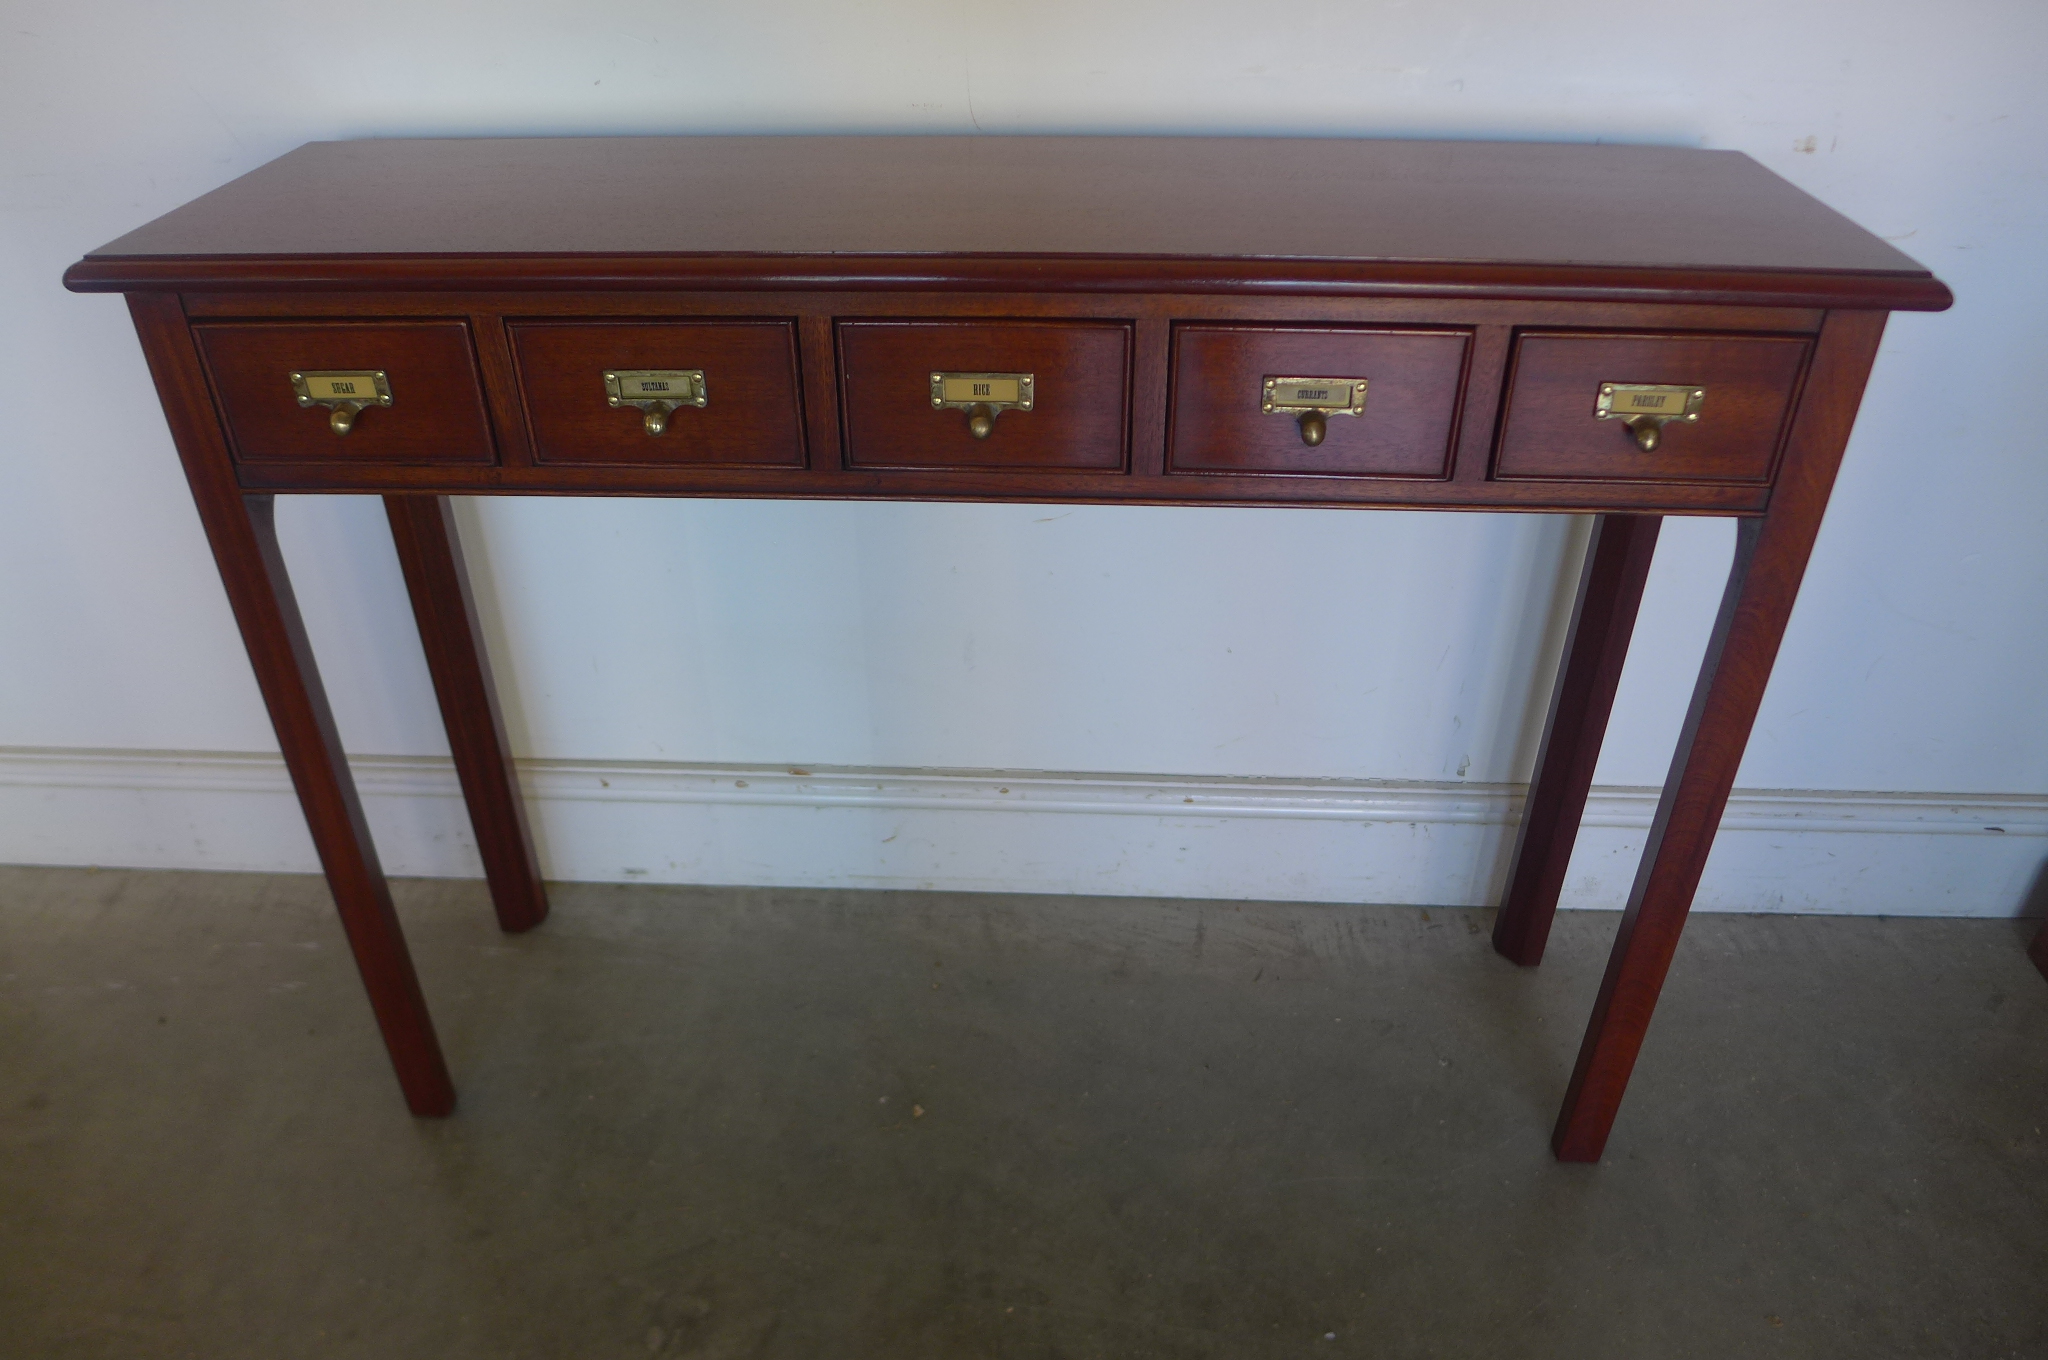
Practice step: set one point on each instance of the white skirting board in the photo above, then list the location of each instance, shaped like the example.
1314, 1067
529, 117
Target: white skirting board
980, 830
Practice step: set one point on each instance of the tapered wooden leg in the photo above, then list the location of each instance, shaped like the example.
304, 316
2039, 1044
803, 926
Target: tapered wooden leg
243, 534
276, 638
2038, 951
1770, 558
431, 554
1710, 748
1610, 592
245, 546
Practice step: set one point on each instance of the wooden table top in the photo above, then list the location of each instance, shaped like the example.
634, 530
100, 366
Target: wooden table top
1199, 213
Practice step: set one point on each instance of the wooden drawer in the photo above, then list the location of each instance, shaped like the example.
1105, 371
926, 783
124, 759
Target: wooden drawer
750, 418
1551, 430
436, 413
1077, 422
1413, 380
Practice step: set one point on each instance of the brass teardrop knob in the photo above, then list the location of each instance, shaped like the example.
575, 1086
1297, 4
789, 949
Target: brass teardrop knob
341, 419
981, 420
657, 419
1314, 425
1649, 432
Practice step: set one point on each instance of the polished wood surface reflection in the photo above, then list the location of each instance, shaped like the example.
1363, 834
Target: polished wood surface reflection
1078, 420
1484, 291
753, 415
1411, 409
436, 414
1181, 214
1750, 384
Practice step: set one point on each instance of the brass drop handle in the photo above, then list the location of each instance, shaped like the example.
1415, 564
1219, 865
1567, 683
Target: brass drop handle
1312, 401
343, 392
656, 392
983, 396
1644, 409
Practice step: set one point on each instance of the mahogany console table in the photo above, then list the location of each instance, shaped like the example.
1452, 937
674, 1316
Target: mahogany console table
1628, 332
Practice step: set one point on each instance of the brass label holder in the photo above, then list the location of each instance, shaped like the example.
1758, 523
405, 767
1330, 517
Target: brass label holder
983, 396
1647, 407
344, 392
655, 392
1312, 401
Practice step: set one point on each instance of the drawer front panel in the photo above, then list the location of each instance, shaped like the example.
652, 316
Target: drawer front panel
436, 414
1552, 429
1080, 373
750, 417
1413, 380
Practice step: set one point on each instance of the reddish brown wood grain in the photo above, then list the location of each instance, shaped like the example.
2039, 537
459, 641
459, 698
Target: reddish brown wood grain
1551, 431
1485, 374
1770, 558
436, 414
770, 274
1123, 213
429, 551
1039, 486
1491, 322
1054, 485
243, 536
1603, 616
501, 387
751, 415
1151, 360
1413, 385
1161, 301
1079, 419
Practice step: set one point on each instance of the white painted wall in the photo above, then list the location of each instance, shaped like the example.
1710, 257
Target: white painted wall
1003, 639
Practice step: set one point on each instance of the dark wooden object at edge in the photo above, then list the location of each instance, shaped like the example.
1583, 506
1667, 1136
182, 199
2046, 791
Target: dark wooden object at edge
243, 533
1770, 559
423, 528
1603, 617
808, 229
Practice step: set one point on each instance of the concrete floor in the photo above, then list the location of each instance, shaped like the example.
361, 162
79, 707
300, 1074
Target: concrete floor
722, 1123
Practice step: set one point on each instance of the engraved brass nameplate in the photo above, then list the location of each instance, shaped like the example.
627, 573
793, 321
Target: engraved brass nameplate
1002, 391
1623, 401
1331, 396
677, 386
365, 388
342, 392
656, 392
1647, 407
